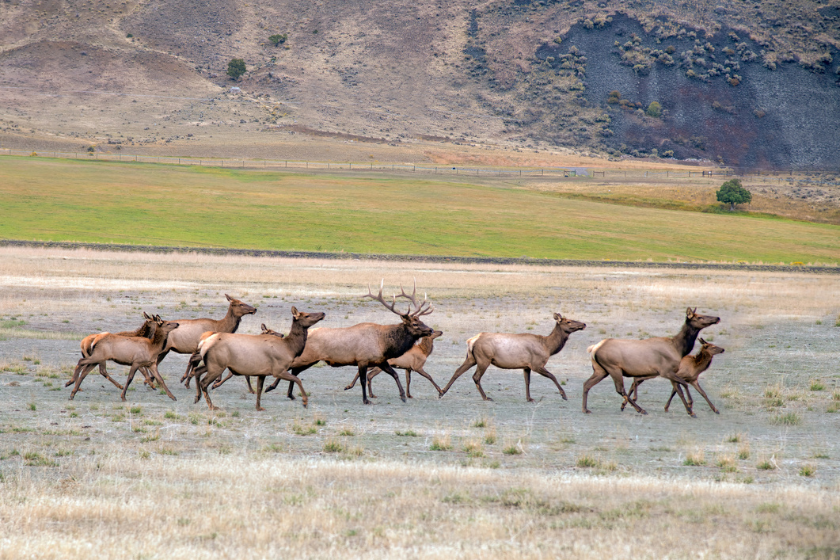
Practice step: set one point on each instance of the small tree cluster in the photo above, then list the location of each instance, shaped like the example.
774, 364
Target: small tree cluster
236, 67
732, 193
654, 109
278, 39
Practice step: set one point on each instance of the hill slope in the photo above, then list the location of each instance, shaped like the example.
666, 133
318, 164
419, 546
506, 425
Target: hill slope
747, 85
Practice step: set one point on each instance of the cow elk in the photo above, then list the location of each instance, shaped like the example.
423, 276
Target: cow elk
254, 355
185, 339
690, 369
146, 330
128, 351
652, 357
367, 344
195, 359
413, 360
528, 352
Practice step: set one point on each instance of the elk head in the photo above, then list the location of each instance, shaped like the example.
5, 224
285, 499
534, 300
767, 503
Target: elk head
699, 321
436, 334
240, 308
306, 320
711, 348
411, 318
167, 327
567, 325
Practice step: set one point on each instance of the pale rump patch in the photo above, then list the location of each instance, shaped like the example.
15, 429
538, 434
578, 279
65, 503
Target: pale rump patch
471, 342
592, 349
96, 339
205, 344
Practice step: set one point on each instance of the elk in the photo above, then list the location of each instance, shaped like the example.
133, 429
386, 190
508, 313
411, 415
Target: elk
185, 339
146, 330
195, 359
259, 355
413, 360
529, 352
366, 344
689, 371
128, 351
652, 357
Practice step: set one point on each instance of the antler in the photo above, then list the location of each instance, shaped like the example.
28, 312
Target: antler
381, 300
419, 311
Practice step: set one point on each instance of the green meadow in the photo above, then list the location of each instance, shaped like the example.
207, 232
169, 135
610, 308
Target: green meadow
66, 200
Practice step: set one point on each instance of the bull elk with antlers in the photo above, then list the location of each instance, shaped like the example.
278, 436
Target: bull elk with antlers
528, 352
652, 357
689, 371
413, 360
367, 345
128, 351
254, 355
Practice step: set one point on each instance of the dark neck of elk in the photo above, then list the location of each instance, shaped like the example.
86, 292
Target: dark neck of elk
556, 340
296, 339
685, 339
231, 321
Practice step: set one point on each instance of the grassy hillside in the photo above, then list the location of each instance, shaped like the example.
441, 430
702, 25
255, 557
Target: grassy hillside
49, 199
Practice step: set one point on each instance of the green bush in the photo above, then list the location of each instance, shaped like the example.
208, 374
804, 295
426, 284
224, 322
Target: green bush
236, 67
278, 39
732, 193
654, 109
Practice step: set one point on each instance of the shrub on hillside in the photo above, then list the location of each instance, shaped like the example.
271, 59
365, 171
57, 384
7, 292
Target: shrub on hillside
236, 67
278, 39
654, 109
732, 193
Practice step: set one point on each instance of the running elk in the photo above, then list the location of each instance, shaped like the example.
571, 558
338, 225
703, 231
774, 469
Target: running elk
184, 340
260, 355
413, 360
367, 344
197, 370
529, 352
652, 357
146, 330
690, 369
128, 351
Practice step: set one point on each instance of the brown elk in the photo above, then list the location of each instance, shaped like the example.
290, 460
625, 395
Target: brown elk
128, 351
259, 355
528, 352
652, 357
184, 340
146, 330
413, 360
366, 344
689, 371
195, 359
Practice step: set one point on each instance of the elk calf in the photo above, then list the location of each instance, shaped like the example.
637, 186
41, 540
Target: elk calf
689, 371
129, 351
260, 355
652, 357
529, 352
413, 360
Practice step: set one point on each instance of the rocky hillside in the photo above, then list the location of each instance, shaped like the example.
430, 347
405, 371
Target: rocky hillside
746, 84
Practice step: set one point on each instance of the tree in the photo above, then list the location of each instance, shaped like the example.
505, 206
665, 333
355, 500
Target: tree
278, 39
654, 109
236, 67
732, 193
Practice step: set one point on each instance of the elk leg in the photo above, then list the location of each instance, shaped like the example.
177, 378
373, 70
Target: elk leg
545, 373
673, 394
79, 367
202, 384
128, 380
286, 374
468, 363
696, 385
295, 372
220, 382
260, 382
408, 383
248, 381
687, 406
479, 372
618, 379
386, 367
363, 381
371, 374
104, 372
161, 382
193, 360
634, 389
422, 372
80, 378
353, 384
147, 377
527, 373
598, 375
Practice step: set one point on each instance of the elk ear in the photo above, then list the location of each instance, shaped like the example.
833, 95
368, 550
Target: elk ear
263, 327
703, 342
227, 297
295, 312
558, 317
146, 316
689, 313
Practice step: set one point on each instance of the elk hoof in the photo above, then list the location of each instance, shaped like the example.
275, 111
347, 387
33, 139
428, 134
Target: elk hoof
348, 387
409, 396
530, 400
693, 415
366, 401
69, 382
197, 399
260, 409
643, 412
587, 411
717, 411
173, 397
402, 398
488, 399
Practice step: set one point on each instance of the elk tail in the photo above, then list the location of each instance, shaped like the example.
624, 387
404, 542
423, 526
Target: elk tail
86, 344
205, 344
594, 348
95, 341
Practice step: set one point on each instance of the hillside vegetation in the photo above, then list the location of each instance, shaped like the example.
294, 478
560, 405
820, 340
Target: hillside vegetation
170, 205
749, 85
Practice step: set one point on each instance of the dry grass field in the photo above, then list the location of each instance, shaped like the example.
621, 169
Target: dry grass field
451, 477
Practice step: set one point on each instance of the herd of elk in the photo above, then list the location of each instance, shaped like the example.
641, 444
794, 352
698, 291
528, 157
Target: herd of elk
372, 348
